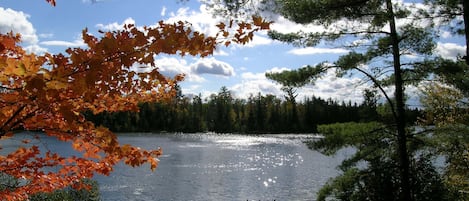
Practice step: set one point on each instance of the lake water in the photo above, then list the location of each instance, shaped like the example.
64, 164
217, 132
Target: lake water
220, 167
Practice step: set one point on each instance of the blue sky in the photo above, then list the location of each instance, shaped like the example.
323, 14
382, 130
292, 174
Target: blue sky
240, 68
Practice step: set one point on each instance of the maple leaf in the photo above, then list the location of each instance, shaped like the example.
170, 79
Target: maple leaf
52, 2
259, 22
221, 26
50, 93
7, 43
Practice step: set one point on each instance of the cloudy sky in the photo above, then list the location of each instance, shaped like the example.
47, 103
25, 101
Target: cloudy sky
240, 68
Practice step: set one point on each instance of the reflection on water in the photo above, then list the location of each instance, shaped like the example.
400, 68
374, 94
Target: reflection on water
218, 167
223, 167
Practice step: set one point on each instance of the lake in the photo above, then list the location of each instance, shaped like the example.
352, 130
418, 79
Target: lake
220, 167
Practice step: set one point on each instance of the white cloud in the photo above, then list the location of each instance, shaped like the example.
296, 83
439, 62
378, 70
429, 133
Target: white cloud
450, 50
212, 66
46, 35
258, 40
329, 86
337, 88
170, 66
191, 90
446, 34
348, 89
219, 52
254, 83
76, 43
284, 25
203, 21
358, 42
17, 22
278, 69
35, 49
163, 11
413, 92
115, 26
316, 50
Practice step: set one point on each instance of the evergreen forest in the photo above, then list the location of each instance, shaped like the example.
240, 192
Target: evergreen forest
222, 113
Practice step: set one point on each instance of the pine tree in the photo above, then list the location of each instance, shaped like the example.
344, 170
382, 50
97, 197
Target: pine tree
386, 34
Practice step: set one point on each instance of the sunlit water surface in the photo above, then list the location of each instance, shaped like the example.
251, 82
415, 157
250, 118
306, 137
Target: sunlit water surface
222, 167
219, 167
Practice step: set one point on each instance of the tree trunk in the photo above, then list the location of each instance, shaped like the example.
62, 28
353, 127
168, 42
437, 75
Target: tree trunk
406, 194
465, 5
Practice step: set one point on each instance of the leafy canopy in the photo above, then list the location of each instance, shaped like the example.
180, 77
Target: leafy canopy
51, 92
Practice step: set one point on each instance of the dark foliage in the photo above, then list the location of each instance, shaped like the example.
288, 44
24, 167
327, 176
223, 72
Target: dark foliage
222, 113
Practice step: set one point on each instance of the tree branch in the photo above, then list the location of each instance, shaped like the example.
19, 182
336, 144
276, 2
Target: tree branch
17, 112
377, 84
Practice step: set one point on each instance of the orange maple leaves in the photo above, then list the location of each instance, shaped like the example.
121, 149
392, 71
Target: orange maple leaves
52, 2
245, 31
50, 93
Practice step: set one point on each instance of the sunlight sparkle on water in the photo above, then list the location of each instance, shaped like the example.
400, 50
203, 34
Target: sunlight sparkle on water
270, 181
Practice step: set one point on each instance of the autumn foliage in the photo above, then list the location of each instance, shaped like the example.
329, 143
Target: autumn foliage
50, 92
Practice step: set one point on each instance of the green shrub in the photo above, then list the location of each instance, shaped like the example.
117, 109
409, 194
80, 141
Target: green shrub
71, 194
8, 182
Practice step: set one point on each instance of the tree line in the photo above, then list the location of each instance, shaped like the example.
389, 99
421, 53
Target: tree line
222, 113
